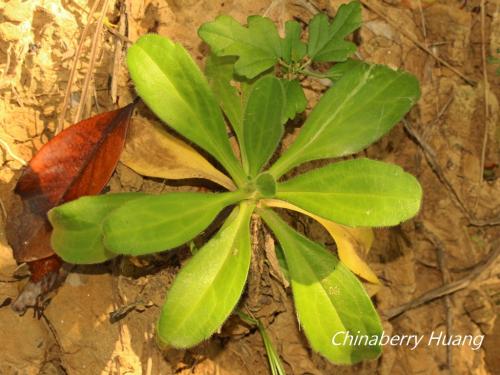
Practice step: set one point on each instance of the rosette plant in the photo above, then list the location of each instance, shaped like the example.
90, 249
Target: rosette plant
346, 196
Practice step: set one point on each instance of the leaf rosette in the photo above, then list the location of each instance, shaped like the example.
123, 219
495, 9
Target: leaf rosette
347, 197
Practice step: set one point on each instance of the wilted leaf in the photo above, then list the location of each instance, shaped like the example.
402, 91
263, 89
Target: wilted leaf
257, 46
359, 109
162, 222
151, 151
207, 289
359, 192
353, 244
172, 85
328, 298
78, 161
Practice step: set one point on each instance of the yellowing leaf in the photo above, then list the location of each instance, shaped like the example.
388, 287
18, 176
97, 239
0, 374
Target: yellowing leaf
151, 151
352, 243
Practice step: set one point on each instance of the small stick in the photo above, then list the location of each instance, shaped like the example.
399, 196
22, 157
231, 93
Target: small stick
446, 279
306, 4
455, 286
430, 156
422, 19
118, 55
120, 36
11, 153
486, 91
72, 72
93, 54
418, 43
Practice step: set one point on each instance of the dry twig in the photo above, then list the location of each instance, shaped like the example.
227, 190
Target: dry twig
431, 158
11, 153
486, 90
90, 69
446, 280
117, 60
374, 8
477, 272
67, 94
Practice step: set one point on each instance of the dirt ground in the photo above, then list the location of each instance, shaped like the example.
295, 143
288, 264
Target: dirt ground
448, 138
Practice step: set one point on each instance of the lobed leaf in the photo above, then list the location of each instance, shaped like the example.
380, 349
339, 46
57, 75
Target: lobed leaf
359, 192
162, 222
77, 227
353, 244
296, 101
172, 85
152, 151
262, 123
292, 48
326, 41
207, 289
359, 109
328, 298
257, 46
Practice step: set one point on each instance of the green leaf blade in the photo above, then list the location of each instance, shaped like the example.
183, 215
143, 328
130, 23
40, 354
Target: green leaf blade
207, 289
296, 101
172, 85
219, 71
357, 193
340, 69
326, 42
77, 227
328, 298
359, 109
262, 123
161, 222
257, 46
293, 49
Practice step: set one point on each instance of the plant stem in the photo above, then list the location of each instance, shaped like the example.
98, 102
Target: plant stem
272, 355
312, 73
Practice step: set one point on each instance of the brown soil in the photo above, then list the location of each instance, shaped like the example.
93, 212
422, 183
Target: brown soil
441, 142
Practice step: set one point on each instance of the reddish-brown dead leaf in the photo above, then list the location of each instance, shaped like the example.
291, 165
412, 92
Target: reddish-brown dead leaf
79, 161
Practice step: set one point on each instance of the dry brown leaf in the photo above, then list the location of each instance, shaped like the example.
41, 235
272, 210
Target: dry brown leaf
151, 151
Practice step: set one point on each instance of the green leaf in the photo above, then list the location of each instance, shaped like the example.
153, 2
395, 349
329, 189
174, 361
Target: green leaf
262, 123
340, 69
219, 71
360, 192
161, 222
257, 46
207, 289
293, 49
359, 109
172, 85
326, 41
296, 101
77, 227
266, 185
328, 298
